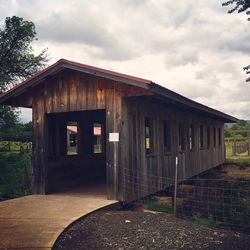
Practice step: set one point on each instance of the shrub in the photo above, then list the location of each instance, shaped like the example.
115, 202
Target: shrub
15, 174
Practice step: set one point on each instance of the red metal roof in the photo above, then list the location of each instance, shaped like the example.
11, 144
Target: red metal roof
138, 79
65, 63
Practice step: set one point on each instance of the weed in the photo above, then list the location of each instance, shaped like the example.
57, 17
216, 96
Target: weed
153, 204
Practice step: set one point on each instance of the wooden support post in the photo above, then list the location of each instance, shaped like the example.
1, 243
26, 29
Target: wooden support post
234, 148
175, 183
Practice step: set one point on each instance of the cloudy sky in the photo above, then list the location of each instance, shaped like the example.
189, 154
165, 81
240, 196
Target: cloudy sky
192, 47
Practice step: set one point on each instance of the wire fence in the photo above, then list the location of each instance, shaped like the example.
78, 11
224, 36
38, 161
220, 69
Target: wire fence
223, 203
15, 146
217, 202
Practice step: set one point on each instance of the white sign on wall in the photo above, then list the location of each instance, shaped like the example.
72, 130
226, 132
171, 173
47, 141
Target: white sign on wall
114, 137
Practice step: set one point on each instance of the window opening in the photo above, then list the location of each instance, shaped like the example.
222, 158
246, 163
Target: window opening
191, 137
201, 139
181, 137
149, 135
72, 138
98, 138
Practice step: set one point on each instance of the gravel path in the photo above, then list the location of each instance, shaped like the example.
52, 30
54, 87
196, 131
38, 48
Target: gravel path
146, 230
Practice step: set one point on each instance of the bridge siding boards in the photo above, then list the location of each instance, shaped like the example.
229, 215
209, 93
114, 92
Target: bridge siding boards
161, 164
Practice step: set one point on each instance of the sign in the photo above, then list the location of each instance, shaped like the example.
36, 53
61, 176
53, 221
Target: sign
114, 137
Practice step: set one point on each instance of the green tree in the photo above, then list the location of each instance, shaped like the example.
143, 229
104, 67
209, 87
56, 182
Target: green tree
9, 117
240, 6
17, 61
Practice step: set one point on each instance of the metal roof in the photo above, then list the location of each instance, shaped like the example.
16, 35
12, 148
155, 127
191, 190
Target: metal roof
159, 91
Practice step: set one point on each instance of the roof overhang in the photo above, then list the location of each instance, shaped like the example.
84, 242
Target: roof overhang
175, 99
66, 64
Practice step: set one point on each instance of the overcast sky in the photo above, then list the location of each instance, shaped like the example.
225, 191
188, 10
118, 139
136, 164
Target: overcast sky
192, 47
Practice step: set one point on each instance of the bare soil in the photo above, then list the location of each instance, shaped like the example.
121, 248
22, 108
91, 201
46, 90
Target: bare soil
229, 171
146, 230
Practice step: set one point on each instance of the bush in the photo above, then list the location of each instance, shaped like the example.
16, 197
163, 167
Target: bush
153, 204
15, 174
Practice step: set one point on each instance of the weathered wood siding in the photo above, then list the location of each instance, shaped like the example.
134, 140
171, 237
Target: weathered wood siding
145, 174
75, 91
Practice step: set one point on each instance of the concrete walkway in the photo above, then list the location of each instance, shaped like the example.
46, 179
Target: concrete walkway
36, 221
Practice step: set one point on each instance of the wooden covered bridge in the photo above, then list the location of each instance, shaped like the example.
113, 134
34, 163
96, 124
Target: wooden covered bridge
123, 131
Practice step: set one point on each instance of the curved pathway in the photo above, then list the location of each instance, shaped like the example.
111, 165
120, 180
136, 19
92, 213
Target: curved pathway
35, 221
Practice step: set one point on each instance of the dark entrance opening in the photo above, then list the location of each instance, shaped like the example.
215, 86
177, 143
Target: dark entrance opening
76, 150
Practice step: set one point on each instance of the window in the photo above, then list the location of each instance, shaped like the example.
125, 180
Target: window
149, 144
98, 138
214, 135
181, 137
167, 136
201, 139
219, 135
191, 137
72, 138
208, 137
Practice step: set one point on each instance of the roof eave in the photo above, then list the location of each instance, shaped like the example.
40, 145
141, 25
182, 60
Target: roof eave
63, 64
162, 91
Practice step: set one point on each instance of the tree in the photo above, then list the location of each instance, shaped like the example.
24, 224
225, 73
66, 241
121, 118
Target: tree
17, 61
9, 117
240, 6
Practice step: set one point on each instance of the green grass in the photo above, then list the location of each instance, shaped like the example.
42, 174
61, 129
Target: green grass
15, 172
152, 203
199, 219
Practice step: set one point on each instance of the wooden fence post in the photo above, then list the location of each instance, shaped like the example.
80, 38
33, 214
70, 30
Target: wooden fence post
234, 148
175, 184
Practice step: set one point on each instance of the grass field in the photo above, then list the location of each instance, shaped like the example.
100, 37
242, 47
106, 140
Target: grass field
15, 169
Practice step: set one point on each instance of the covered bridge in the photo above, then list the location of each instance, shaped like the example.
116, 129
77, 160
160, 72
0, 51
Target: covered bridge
128, 131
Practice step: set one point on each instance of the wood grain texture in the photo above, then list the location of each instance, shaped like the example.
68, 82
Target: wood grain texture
145, 174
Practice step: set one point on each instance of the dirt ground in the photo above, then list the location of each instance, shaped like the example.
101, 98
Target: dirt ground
146, 230
228, 171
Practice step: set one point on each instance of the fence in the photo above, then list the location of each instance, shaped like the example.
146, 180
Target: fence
217, 202
12, 146
240, 147
223, 203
